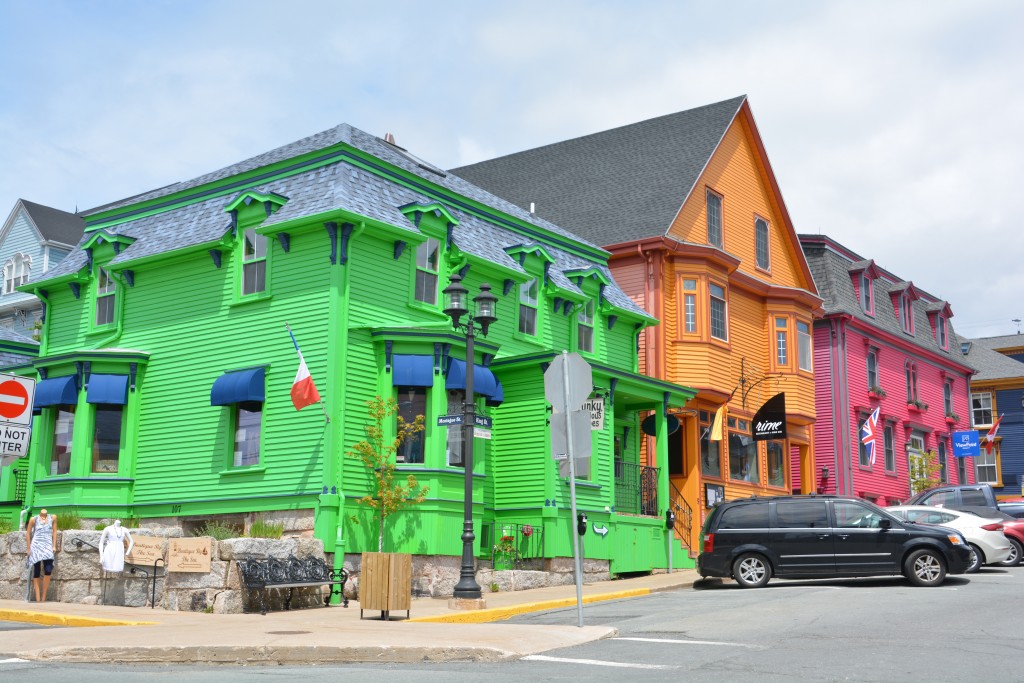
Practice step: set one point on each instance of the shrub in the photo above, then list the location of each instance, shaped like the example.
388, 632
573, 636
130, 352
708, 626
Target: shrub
217, 531
261, 528
6, 525
68, 519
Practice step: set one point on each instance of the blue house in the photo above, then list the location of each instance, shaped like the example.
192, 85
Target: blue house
997, 390
33, 239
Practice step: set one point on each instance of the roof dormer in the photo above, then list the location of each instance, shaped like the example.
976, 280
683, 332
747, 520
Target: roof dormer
863, 275
939, 313
903, 296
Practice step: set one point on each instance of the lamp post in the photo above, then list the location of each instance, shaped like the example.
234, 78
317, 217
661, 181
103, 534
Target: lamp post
456, 306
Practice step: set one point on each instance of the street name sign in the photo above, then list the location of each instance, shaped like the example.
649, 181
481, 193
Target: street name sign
456, 420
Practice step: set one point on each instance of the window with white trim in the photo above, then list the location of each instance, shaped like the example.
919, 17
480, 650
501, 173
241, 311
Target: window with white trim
981, 409
986, 467
714, 207
803, 339
585, 327
690, 305
427, 258
781, 341
16, 272
761, 243
106, 294
254, 262
719, 312
528, 297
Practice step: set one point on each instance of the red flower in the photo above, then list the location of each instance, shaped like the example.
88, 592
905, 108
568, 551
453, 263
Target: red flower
527, 530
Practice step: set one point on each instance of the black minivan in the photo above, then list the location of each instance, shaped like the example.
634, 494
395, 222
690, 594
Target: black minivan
802, 537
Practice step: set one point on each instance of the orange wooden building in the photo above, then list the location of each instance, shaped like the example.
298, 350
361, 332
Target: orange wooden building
700, 237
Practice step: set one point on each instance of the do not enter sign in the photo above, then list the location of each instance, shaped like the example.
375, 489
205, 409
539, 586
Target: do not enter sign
16, 394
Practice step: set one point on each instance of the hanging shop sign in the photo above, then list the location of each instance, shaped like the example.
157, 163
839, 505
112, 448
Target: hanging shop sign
966, 444
596, 408
770, 420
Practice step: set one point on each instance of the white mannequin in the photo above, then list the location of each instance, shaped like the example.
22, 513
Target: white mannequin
112, 550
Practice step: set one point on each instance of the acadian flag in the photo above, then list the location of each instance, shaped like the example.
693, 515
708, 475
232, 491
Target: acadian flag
990, 438
304, 392
867, 435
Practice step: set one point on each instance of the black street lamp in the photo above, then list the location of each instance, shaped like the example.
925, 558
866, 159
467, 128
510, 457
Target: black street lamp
456, 306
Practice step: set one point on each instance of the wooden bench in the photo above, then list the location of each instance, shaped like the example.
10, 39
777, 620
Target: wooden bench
259, 575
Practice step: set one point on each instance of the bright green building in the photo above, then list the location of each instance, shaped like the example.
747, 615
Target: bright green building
165, 366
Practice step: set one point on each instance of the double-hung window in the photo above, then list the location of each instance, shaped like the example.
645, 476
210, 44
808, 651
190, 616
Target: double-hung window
106, 294
943, 471
862, 448
986, 467
714, 206
247, 422
781, 341
911, 370
873, 370
254, 262
528, 298
981, 409
867, 293
719, 325
907, 313
940, 332
890, 448
689, 305
803, 340
427, 259
761, 243
947, 397
585, 327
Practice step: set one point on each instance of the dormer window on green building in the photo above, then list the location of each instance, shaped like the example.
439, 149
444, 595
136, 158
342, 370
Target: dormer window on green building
528, 302
428, 255
106, 295
254, 263
585, 327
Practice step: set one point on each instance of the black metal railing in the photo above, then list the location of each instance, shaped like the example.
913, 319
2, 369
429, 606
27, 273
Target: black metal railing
636, 489
684, 517
516, 544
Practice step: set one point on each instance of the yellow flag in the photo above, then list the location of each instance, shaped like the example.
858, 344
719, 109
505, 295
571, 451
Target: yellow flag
716, 426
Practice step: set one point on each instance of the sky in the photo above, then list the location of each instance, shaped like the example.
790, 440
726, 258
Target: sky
892, 126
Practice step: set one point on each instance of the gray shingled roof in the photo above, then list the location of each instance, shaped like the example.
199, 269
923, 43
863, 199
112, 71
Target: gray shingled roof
1006, 341
992, 364
55, 225
831, 272
619, 185
341, 185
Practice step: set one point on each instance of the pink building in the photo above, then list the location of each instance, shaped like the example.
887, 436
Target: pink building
883, 343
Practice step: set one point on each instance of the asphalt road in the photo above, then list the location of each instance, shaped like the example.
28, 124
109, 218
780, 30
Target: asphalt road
835, 630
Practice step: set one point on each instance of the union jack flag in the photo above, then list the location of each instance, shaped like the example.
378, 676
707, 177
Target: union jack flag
867, 435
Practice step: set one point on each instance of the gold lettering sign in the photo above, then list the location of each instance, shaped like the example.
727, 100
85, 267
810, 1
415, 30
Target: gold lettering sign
146, 551
190, 554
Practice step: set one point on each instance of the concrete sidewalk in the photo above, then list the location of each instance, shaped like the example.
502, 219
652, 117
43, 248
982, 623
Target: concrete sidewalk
99, 633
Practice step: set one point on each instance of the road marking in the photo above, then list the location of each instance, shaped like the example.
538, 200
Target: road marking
12, 660
690, 642
595, 662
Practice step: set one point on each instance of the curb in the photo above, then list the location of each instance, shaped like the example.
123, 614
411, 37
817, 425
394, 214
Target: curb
51, 619
499, 613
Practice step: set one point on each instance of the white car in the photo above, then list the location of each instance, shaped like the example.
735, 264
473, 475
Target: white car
984, 535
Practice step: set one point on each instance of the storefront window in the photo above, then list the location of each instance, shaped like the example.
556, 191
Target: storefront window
743, 462
710, 462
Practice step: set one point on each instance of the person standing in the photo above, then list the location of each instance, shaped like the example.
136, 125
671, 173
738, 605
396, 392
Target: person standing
41, 539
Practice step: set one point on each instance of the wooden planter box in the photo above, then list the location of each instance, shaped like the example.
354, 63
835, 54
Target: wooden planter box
385, 583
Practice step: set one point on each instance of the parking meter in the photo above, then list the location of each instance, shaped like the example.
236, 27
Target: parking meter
670, 519
581, 523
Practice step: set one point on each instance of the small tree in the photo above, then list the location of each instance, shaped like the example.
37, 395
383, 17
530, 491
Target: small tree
924, 469
378, 453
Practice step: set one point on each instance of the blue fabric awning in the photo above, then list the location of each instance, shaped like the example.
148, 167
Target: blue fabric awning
241, 386
107, 389
498, 397
484, 381
56, 391
412, 371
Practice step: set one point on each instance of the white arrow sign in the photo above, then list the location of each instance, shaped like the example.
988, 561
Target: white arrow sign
600, 530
